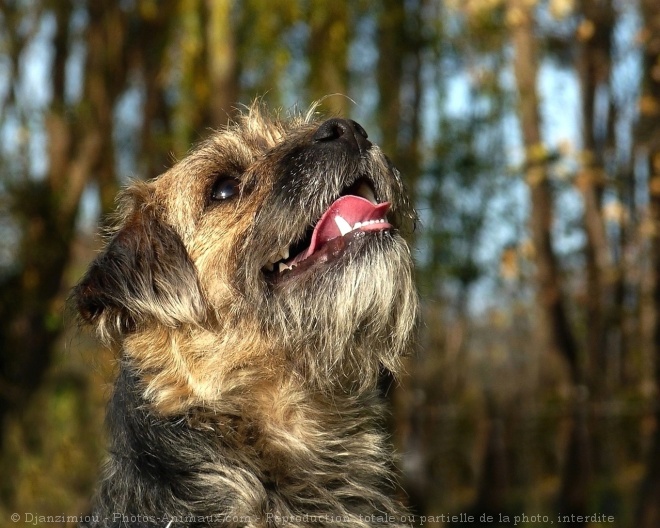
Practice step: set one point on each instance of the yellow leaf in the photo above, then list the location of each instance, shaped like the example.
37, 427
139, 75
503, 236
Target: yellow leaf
509, 269
527, 249
654, 185
586, 30
560, 9
647, 228
615, 212
514, 17
649, 105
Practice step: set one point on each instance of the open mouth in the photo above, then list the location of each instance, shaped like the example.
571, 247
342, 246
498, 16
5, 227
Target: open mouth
353, 214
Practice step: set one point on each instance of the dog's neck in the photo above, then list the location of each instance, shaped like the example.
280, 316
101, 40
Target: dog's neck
277, 451
225, 368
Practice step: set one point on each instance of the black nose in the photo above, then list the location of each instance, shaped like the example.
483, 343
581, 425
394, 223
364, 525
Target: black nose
345, 130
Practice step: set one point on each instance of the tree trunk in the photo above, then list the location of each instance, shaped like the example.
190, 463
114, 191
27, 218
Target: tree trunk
30, 312
594, 71
391, 45
555, 334
45, 211
554, 328
328, 54
648, 136
222, 61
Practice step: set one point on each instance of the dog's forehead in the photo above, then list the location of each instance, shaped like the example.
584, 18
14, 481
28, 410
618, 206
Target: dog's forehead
260, 133
249, 138
255, 131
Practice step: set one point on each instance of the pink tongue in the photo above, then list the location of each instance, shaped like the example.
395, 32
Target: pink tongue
351, 208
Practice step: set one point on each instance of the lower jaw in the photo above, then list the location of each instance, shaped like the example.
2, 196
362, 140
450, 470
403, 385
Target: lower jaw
331, 252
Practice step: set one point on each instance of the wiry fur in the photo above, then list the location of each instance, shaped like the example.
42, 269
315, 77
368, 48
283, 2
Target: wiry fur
243, 401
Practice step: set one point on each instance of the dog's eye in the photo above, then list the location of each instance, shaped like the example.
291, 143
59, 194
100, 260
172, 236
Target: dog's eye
225, 187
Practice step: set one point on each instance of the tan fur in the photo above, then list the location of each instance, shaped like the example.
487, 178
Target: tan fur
279, 366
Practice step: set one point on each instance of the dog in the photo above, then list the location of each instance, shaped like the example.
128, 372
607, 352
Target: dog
254, 293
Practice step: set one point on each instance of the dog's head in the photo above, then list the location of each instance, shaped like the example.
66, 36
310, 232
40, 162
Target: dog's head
274, 243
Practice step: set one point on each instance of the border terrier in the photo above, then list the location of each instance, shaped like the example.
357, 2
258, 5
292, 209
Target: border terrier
254, 293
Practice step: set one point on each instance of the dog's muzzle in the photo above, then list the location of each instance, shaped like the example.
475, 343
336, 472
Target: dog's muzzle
355, 211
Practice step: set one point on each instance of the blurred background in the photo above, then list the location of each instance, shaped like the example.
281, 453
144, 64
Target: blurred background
528, 133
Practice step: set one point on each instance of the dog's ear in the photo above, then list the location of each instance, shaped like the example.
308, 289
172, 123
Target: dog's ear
144, 275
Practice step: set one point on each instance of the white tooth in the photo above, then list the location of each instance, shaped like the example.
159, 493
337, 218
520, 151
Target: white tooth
283, 267
343, 225
357, 224
283, 254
